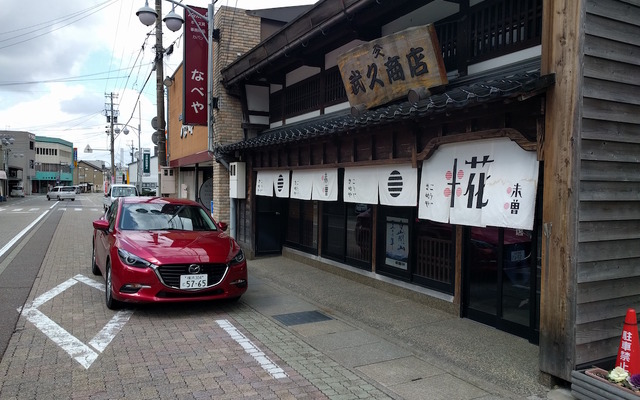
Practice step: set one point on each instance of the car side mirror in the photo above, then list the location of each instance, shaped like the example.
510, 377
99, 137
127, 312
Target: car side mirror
223, 226
101, 225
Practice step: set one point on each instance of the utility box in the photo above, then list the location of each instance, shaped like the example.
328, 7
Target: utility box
237, 180
167, 180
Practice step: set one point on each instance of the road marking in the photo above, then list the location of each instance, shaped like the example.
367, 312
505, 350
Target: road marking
251, 349
79, 351
13, 241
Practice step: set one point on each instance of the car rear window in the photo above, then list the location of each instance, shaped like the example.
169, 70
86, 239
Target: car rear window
68, 189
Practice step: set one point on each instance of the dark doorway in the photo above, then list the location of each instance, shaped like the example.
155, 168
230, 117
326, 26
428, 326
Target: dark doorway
271, 213
502, 279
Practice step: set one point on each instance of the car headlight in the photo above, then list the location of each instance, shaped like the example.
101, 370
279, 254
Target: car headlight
238, 258
133, 260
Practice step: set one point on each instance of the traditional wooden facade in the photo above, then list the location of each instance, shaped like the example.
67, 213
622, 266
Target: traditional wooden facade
558, 78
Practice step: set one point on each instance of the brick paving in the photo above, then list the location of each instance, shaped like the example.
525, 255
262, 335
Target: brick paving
162, 352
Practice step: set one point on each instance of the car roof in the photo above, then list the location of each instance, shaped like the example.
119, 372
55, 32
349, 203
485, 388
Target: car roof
157, 200
122, 185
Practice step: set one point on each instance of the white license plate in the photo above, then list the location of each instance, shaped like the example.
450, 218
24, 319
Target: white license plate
197, 281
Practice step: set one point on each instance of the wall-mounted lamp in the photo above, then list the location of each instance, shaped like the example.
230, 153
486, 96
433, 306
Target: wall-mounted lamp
168, 81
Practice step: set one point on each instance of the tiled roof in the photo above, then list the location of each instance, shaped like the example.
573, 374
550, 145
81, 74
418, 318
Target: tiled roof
454, 99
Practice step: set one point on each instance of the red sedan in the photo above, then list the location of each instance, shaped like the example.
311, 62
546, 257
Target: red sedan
158, 249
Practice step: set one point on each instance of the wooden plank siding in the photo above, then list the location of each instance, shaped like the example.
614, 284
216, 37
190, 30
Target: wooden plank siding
608, 251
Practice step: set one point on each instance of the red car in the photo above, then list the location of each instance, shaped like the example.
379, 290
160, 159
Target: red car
158, 249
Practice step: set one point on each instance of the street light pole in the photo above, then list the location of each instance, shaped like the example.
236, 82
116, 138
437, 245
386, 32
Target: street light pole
162, 151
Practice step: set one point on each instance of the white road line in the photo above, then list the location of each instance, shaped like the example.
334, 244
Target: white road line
110, 330
252, 350
17, 209
79, 351
21, 234
69, 343
90, 282
43, 298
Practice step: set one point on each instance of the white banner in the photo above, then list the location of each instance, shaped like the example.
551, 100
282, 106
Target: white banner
301, 184
264, 183
489, 182
360, 185
398, 185
325, 185
281, 183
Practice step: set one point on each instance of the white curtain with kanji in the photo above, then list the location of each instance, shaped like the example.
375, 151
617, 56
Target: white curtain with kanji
264, 183
489, 182
301, 184
361, 185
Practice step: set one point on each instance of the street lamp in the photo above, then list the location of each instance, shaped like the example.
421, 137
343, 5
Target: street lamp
174, 22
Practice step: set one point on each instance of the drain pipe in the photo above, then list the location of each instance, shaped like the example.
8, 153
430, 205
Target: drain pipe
232, 204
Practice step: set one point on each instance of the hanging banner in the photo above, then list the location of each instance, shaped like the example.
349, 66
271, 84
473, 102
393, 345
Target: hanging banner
360, 185
301, 184
264, 183
398, 185
195, 58
281, 183
325, 185
480, 183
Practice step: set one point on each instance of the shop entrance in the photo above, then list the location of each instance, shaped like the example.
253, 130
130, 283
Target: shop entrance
271, 215
502, 279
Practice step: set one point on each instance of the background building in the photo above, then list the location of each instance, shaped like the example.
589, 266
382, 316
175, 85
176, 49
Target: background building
90, 176
54, 163
17, 157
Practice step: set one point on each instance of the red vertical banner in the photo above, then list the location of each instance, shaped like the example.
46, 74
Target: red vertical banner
195, 68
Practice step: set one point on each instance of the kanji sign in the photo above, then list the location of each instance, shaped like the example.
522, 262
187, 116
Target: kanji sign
490, 182
386, 69
195, 68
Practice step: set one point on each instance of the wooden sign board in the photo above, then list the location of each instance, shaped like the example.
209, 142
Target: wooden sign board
386, 69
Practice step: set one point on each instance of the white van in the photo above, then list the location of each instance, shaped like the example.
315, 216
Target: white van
118, 190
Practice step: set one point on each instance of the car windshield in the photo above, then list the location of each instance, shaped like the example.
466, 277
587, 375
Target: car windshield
123, 191
146, 216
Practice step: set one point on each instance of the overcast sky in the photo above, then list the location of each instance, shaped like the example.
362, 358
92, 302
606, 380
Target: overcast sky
59, 60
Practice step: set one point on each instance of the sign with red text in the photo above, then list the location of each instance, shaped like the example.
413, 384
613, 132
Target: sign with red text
195, 58
386, 69
481, 183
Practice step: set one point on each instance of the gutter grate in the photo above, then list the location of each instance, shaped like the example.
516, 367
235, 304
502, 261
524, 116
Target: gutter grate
304, 317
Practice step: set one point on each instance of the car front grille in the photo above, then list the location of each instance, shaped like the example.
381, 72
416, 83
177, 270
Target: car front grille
170, 274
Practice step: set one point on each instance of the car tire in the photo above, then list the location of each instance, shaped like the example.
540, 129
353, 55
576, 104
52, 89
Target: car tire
58, 198
112, 304
94, 266
73, 199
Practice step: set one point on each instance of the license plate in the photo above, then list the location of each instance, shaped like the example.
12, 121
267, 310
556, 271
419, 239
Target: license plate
197, 281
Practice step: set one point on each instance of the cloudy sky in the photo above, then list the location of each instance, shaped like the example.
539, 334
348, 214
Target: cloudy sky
60, 59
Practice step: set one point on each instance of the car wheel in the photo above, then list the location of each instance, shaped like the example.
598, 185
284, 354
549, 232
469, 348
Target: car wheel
58, 198
48, 199
94, 265
112, 304
73, 199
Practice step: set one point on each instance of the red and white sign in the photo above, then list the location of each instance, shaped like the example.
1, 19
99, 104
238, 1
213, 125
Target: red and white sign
195, 58
489, 182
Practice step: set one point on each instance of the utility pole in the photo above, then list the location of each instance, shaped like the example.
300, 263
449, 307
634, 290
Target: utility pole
112, 118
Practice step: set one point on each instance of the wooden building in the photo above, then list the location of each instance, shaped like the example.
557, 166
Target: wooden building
335, 182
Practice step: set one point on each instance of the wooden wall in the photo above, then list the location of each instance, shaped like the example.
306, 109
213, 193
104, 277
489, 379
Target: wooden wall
608, 253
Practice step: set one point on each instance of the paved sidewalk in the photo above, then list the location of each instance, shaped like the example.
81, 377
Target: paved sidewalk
410, 349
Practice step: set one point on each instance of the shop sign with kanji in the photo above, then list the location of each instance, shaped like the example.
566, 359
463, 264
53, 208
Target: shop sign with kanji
386, 69
195, 68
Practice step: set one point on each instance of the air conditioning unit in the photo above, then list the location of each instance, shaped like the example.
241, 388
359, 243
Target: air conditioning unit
167, 180
237, 180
